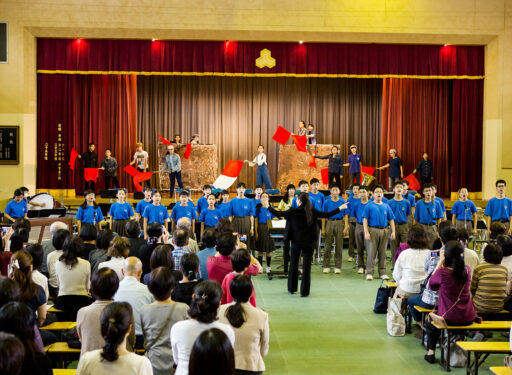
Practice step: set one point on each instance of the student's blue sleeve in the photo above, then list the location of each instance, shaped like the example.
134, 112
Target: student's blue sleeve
130, 210
173, 213
8, 209
439, 211
25, 207
194, 214
99, 214
488, 208
230, 208
166, 214
366, 212
137, 208
408, 208
441, 203
253, 209
145, 214
79, 214
324, 207
201, 216
417, 213
111, 209
473, 208
390, 214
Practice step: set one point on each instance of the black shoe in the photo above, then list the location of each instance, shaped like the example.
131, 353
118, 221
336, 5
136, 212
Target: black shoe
304, 295
269, 275
430, 358
291, 292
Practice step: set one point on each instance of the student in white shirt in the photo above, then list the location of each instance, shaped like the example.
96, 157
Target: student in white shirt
57, 241
118, 250
262, 175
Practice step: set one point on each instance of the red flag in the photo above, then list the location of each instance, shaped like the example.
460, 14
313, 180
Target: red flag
139, 177
300, 142
91, 174
414, 184
229, 174
72, 159
281, 135
312, 162
131, 170
164, 141
325, 176
368, 170
188, 150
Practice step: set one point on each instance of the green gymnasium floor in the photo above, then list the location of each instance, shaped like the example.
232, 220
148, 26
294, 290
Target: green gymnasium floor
334, 330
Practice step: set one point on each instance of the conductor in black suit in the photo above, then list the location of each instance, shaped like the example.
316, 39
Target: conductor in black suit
335, 171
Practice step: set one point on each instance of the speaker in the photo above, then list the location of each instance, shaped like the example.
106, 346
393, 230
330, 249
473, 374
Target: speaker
3, 42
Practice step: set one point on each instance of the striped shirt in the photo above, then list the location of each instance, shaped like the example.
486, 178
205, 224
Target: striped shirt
488, 287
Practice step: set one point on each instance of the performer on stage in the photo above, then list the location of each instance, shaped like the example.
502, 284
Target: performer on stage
335, 171
396, 170
302, 128
195, 139
140, 158
223, 204
412, 200
302, 231
464, 212
177, 140
499, 208
353, 199
17, 208
173, 165
210, 216
401, 210
202, 203
109, 165
262, 175
155, 213
264, 241
311, 135
303, 188
438, 200
258, 191
241, 212
27, 198
426, 169
354, 164
183, 209
90, 159
141, 206
428, 212
357, 211
121, 212
89, 212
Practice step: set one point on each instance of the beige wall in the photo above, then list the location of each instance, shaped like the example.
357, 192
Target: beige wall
392, 21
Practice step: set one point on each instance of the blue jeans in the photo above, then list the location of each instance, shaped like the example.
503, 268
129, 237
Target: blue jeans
416, 301
262, 177
174, 176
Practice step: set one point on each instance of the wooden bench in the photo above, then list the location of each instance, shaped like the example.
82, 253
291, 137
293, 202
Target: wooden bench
447, 336
424, 314
63, 352
64, 371
59, 326
391, 284
482, 350
501, 370
54, 310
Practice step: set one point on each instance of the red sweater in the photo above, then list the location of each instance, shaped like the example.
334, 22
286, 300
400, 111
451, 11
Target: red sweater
219, 267
226, 293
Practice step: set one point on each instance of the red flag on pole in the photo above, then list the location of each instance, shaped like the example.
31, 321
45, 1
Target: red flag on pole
368, 170
229, 174
325, 176
139, 177
72, 159
91, 174
281, 135
300, 142
164, 141
131, 170
188, 151
414, 184
312, 162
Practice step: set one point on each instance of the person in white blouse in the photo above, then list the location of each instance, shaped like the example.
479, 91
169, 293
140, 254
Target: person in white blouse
262, 175
114, 358
409, 271
118, 250
203, 316
58, 241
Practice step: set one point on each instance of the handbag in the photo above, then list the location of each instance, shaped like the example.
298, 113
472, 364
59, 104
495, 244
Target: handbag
438, 320
149, 346
395, 321
381, 300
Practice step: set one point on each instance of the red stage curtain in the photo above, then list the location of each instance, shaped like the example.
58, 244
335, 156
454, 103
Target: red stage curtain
89, 108
239, 57
416, 118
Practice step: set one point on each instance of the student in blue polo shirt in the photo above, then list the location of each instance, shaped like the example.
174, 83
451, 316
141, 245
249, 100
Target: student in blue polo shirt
120, 213
352, 200
183, 209
210, 216
202, 202
401, 210
499, 208
264, 241
396, 171
357, 210
428, 212
315, 197
155, 213
258, 190
241, 212
355, 161
303, 188
89, 212
142, 204
17, 208
464, 212
438, 200
377, 216
412, 201
335, 229
223, 205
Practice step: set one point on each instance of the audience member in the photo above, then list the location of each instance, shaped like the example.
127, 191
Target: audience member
209, 241
12, 354
185, 224
48, 244
185, 288
118, 250
212, 354
180, 241
58, 241
470, 256
505, 242
133, 233
155, 233
162, 257
37, 253
88, 234
240, 261
100, 254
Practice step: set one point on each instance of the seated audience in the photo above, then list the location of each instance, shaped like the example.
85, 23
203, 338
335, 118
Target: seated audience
73, 273
409, 271
212, 354
185, 224
180, 241
451, 278
131, 290
19, 239
209, 241
17, 319
58, 241
162, 257
88, 234
36, 251
250, 325
104, 285
505, 242
133, 233
240, 261
100, 254
203, 316
155, 237
12, 354
48, 244
185, 288
489, 282
158, 318
118, 250
114, 358
470, 256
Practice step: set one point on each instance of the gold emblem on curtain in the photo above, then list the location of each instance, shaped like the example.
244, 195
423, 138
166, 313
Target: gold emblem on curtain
265, 60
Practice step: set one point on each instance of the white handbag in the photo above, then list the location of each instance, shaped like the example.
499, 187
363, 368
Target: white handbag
395, 319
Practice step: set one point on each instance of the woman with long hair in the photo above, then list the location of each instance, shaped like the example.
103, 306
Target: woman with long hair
286, 204
212, 354
302, 221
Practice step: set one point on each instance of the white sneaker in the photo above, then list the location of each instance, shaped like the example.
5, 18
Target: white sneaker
369, 277
337, 271
360, 271
326, 270
384, 277
350, 259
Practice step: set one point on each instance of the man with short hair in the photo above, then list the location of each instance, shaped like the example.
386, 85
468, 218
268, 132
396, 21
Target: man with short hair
357, 208
428, 213
48, 245
401, 210
185, 224
426, 169
355, 164
131, 290
499, 208
180, 241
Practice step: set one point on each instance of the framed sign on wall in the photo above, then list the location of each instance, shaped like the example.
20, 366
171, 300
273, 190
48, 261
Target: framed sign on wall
9, 145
